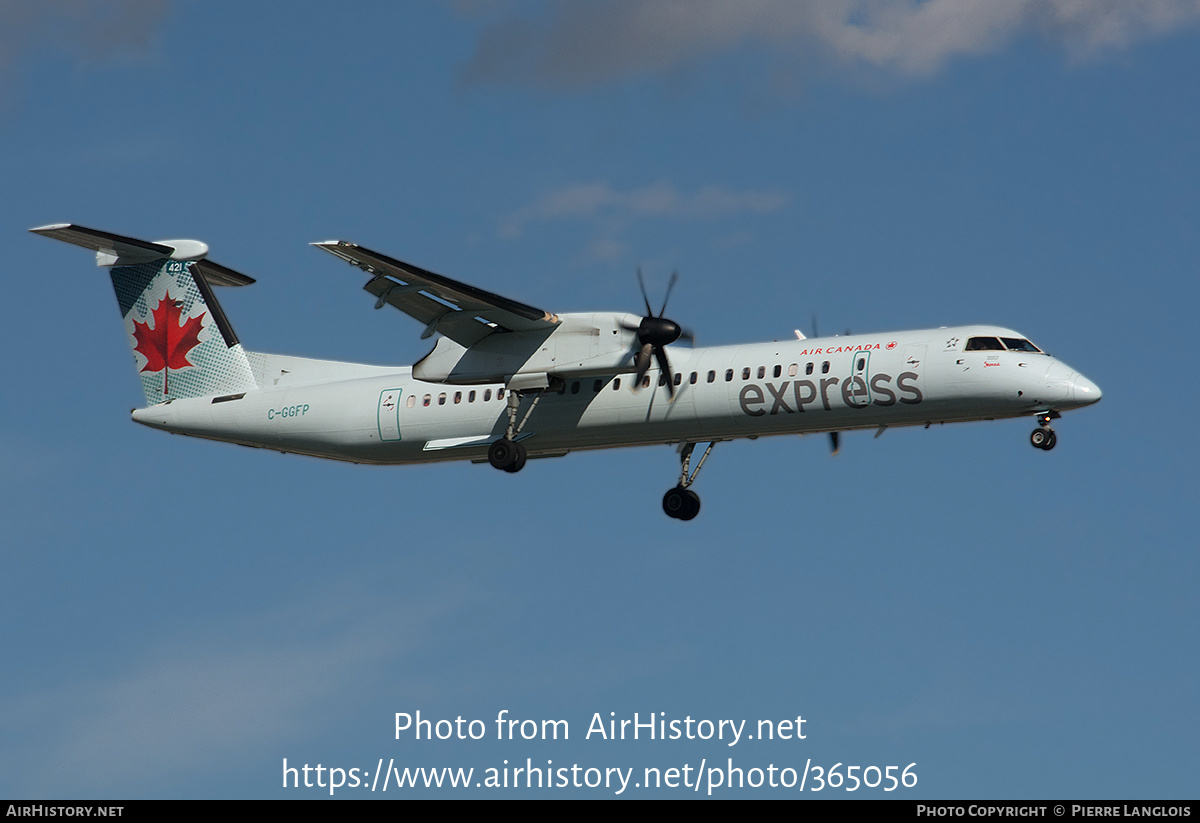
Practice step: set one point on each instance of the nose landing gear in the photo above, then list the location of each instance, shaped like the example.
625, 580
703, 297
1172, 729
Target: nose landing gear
1043, 437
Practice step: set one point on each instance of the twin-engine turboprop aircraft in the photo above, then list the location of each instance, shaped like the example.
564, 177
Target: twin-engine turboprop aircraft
506, 381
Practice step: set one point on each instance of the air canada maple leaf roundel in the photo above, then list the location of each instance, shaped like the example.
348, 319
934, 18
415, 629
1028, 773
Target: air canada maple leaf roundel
166, 345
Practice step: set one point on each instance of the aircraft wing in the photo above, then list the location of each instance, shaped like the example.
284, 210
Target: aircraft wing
463, 313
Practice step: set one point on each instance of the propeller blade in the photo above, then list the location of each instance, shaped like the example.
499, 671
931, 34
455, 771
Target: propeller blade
664, 365
641, 361
645, 298
670, 285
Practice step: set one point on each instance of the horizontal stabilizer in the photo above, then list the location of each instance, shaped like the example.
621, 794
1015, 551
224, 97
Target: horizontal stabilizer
218, 275
117, 250
103, 241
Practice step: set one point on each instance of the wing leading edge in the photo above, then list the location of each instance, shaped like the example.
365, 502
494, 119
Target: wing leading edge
463, 313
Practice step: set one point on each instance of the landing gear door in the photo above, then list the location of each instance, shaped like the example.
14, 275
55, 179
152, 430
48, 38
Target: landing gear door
388, 414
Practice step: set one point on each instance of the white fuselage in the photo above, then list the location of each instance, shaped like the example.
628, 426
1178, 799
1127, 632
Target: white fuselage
369, 414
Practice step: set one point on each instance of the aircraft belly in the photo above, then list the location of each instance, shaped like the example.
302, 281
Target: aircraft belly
335, 420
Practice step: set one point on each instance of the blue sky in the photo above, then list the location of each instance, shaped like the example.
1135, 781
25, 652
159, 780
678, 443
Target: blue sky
182, 615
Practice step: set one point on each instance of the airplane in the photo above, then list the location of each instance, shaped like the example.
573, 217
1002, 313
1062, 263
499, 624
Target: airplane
506, 382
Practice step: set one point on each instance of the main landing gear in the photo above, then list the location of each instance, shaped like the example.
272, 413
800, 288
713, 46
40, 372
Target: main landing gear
681, 502
507, 453
1043, 437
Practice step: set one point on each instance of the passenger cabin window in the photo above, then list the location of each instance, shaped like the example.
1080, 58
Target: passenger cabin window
808, 368
712, 375
762, 372
471, 397
984, 344
442, 399
487, 395
599, 384
457, 397
1019, 344
692, 379
825, 367
746, 373
729, 375
574, 387
412, 400
646, 382
792, 369
428, 397
616, 383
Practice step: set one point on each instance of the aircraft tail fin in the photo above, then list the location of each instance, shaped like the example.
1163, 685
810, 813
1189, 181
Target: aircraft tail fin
183, 345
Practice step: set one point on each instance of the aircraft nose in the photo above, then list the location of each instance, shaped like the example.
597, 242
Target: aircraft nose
1084, 391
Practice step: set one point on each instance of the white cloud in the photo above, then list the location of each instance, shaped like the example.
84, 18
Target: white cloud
583, 42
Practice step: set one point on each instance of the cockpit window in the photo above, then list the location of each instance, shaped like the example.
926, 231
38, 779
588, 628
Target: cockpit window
1019, 344
983, 344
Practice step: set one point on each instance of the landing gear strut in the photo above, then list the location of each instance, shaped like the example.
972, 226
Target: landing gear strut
681, 502
506, 453
1043, 437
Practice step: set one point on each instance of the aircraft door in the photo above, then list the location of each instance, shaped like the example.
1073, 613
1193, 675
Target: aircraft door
388, 414
859, 393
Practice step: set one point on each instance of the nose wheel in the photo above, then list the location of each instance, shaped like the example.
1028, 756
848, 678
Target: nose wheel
1043, 436
1043, 439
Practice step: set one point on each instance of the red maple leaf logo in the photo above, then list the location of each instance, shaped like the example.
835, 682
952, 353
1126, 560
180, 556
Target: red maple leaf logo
166, 346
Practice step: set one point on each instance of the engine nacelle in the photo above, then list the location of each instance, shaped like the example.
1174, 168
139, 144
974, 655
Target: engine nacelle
581, 345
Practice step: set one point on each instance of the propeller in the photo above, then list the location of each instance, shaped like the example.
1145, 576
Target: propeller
655, 333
